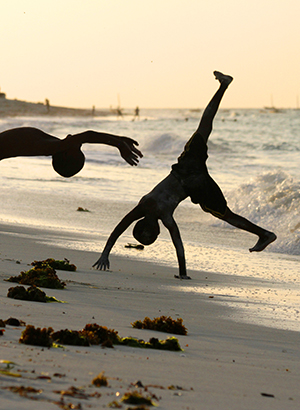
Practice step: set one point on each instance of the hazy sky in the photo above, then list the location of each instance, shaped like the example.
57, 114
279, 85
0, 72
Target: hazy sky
151, 53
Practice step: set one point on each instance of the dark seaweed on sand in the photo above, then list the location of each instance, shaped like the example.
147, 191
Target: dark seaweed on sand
171, 343
43, 274
55, 264
36, 336
12, 321
100, 380
70, 337
92, 334
101, 334
33, 294
137, 398
162, 324
44, 277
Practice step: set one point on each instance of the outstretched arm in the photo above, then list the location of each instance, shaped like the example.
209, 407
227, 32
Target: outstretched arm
172, 227
126, 146
103, 261
28, 141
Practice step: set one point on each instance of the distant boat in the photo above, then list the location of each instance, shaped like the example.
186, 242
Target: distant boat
272, 108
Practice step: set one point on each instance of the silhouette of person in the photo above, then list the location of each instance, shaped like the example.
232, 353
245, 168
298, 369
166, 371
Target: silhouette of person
188, 177
119, 112
67, 157
47, 103
136, 113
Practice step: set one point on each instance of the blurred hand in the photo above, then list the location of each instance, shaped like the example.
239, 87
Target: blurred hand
129, 152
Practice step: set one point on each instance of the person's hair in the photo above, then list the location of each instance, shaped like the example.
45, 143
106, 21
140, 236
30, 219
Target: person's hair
68, 164
146, 231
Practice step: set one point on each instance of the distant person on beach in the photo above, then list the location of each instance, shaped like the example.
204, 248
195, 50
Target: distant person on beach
67, 157
47, 103
136, 113
188, 177
119, 112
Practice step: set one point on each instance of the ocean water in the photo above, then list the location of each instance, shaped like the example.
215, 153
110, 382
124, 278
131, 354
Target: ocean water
254, 157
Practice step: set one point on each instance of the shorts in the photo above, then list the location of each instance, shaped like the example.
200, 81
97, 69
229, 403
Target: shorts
203, 190
192, 173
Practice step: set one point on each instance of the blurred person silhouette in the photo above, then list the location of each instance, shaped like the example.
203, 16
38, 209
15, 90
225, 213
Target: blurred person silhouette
67, 157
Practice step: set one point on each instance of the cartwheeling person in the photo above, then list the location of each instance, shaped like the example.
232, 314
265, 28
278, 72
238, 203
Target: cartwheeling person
188, 177
67, 157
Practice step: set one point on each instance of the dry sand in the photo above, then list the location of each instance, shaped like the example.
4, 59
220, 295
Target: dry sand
224, 365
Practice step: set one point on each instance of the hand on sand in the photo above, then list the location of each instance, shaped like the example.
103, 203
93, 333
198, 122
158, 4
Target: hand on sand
102, 263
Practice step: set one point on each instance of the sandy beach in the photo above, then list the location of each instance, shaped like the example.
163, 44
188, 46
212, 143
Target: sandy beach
223, 364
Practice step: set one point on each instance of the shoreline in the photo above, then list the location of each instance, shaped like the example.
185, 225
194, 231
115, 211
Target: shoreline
14, 108
225, 364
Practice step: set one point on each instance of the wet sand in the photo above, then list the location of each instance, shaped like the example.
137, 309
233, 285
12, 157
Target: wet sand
224, 364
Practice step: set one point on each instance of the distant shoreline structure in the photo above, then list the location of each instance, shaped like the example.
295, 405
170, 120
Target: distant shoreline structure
14, 108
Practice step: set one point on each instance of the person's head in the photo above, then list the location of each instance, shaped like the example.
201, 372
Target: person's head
68, 163
146, 230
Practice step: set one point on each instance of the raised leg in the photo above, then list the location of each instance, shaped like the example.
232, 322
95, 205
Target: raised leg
264, 237
205, 126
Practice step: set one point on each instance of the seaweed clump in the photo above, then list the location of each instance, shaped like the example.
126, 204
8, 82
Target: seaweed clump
32, 293
40, 275
55, 264
12, 321
70, 337
92, 334
101, 335
80, 209
137, 398
171, 343
43, 274
162, 324
100, 380
24, 391
36, 336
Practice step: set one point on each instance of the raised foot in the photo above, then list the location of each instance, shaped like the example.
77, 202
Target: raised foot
223, 78
263, 242
182, 277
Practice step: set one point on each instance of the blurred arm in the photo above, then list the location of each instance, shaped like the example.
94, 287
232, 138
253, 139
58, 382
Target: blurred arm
126, 146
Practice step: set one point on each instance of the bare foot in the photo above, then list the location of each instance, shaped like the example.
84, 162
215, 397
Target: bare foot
223, 78
263, 242
182, 277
